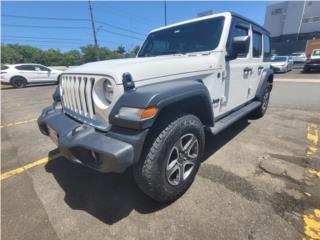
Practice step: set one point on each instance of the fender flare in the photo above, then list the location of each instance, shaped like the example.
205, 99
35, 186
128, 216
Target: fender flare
160, 95
266, 80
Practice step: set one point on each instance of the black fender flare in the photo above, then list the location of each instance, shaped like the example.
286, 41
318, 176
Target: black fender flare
160, 95
266, 80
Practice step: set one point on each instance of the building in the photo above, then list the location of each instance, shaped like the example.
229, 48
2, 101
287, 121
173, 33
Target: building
291, 24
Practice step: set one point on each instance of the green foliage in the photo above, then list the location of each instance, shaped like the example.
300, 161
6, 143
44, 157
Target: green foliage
15, 53
134, 51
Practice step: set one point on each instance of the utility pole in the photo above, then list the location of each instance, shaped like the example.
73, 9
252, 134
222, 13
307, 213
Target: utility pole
94, 32
165, 12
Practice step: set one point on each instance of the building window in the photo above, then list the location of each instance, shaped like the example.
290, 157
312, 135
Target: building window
311, 19
276, 11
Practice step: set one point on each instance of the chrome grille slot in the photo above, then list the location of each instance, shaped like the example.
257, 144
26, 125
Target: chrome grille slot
77, 96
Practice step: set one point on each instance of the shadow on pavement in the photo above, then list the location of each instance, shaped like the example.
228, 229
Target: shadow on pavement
111, 197
214, 143
108, 197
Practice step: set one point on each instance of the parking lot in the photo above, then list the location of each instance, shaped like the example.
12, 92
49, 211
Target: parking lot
259, 179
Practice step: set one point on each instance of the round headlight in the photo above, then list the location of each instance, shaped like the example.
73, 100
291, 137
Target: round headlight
108, 90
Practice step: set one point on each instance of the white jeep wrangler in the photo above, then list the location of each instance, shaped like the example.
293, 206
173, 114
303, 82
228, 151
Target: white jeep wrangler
151, 112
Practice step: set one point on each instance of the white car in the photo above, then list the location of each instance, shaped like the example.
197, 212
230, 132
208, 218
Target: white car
19, 75
313, 61
281, 64
151, 112
299, 57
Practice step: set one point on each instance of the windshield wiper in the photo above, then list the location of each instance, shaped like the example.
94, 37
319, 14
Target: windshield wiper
173, 51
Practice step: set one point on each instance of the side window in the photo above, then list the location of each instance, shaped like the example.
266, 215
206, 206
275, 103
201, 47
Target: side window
25, 67
237, 32
257, 45
41, 68
266, 47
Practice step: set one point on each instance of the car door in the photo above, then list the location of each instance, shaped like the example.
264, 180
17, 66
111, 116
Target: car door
256, 63
238, 71
43, 73
27, 71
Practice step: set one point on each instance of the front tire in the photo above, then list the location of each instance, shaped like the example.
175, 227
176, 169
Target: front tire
172, 158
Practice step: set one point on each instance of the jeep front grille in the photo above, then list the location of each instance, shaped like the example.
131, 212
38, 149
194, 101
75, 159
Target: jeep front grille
77, 95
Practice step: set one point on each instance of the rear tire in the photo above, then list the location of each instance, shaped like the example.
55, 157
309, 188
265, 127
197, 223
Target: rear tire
19, 82
260, 111
171, 158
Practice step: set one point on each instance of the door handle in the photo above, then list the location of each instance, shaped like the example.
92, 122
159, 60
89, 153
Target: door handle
260, 68
247, 69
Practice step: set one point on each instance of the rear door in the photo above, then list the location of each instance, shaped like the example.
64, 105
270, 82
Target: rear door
256, 63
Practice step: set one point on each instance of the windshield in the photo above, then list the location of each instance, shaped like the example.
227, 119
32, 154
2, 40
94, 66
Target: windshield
279, 59
4, 67
316, 52
193, 37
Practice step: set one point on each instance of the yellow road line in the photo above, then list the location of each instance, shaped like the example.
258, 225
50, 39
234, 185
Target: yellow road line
312, 133
18, 123
312, 224
25, 167
313, 138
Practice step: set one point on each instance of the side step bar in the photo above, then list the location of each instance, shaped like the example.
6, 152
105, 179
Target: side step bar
233, 117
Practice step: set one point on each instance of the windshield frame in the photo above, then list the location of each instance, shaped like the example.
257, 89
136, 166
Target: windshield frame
223, 23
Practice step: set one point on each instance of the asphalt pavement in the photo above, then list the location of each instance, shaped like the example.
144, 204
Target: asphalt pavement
259, 180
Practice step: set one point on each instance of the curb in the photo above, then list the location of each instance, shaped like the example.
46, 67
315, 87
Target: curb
297, 80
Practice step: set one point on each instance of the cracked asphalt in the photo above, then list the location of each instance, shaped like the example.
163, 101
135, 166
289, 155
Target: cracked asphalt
258, 180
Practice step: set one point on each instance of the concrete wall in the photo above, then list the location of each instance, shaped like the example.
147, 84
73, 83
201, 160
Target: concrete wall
284, 18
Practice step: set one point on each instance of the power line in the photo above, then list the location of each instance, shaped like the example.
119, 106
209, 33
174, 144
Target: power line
68, 27
57, 39
73, 19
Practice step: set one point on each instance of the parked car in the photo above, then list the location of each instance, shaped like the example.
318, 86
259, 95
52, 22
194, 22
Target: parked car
151, 112
313, 61
19, 75
281, 64
298, 57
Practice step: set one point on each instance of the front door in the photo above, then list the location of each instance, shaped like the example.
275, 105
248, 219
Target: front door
237, 72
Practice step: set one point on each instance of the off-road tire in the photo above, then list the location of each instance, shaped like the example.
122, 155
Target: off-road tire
261, 110
19, 82
150, 173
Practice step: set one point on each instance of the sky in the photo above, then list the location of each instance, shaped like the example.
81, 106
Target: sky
66, 25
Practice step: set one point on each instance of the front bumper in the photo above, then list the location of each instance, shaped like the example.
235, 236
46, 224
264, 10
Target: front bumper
312, 65
111, 151
279, 68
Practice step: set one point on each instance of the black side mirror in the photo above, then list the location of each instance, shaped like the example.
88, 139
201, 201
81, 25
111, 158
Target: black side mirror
240, 45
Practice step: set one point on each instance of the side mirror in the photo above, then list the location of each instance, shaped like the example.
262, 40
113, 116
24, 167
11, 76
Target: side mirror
240, 45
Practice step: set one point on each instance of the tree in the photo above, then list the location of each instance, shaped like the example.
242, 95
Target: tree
134, 51
121, 50
15, 53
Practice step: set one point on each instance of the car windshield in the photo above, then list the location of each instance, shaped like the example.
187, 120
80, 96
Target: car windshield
279, 59
316, 52
4, 67
193, 37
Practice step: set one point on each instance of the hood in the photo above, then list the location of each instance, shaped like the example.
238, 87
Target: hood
146, 67
278, 63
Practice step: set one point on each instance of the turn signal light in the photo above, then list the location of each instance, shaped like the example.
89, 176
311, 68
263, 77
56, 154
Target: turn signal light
148, 113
